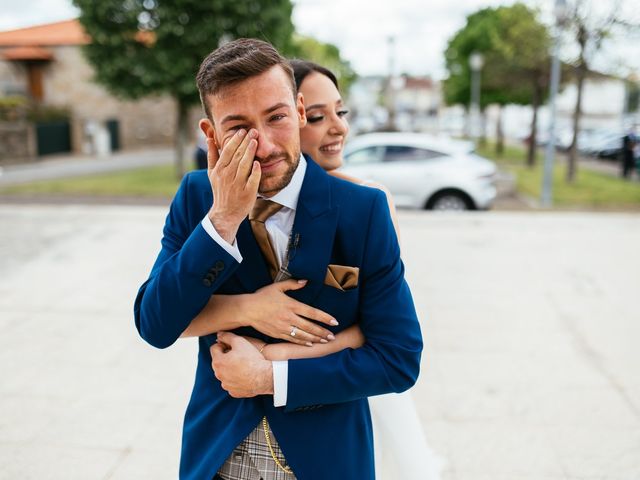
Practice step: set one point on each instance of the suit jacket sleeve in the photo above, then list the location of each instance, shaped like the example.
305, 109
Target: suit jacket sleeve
191, 266
390, 359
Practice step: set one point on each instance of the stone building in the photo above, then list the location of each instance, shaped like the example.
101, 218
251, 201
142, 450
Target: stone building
45, 64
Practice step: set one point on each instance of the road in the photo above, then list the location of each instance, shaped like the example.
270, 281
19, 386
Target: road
530, 369
67, 166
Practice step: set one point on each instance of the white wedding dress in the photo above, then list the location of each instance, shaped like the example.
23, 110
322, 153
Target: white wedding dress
400, 446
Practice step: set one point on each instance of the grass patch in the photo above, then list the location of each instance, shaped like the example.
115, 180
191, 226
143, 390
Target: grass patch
159, 181
513, 155
589, 190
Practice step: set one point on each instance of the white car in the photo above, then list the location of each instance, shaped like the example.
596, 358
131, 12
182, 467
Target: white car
603, 143
423, 171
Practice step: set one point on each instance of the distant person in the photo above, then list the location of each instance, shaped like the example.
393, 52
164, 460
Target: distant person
200, 153
629, 142
636, 154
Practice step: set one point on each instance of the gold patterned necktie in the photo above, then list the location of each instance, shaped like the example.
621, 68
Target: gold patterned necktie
262, 210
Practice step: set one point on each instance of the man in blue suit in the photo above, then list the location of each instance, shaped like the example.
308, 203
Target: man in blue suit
249, 418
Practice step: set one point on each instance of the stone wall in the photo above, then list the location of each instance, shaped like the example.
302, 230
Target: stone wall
69, 82
17, 142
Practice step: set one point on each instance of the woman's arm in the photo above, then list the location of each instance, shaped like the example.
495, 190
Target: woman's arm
221, 313
351, 337
269, 310
392, 206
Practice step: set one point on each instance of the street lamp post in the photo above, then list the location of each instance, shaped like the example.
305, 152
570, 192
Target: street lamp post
476, 62
547, 178
390, 90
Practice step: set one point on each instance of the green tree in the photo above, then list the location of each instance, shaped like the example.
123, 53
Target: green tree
521, 63
589, 28
515, 47
327, 55
478, 35
144, 47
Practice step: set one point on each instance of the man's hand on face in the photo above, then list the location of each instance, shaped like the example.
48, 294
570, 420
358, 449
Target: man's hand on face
234, 177
241, 369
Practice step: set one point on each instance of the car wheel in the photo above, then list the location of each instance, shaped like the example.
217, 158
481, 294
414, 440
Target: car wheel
450, 201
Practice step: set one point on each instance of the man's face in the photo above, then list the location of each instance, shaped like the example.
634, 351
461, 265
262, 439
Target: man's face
267, 104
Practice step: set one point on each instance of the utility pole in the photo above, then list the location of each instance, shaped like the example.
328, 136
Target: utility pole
476, 62
560, 11
390, 93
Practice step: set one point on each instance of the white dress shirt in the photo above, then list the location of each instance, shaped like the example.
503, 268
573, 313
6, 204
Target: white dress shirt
278, 227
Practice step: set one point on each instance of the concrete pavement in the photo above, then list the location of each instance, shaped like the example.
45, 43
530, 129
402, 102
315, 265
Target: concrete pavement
530, 369
66, 166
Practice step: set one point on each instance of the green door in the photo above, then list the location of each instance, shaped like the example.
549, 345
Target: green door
53, 137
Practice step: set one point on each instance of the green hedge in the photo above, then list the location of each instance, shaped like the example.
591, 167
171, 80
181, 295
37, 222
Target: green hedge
17, 108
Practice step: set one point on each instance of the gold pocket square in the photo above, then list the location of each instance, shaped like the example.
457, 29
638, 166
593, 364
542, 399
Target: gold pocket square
342, 277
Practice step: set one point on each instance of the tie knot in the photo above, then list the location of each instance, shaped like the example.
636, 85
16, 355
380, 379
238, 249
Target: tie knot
263, 209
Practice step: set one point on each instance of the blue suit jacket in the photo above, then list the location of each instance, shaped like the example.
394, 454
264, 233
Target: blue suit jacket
325, 428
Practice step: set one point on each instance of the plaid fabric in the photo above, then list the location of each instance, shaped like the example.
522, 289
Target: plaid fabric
251, 460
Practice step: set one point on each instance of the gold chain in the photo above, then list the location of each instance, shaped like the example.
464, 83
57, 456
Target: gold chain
286, 469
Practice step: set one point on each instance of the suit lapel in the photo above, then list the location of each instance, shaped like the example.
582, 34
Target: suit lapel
313, 233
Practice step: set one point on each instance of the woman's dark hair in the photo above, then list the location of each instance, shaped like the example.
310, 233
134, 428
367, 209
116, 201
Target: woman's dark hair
302, 68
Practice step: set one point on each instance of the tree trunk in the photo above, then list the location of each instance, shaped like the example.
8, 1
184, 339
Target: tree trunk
573, 149
533, 137
581, 72
181, 137
499, 133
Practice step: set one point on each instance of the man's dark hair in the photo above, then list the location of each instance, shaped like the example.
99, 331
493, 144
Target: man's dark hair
302, 68
236, 61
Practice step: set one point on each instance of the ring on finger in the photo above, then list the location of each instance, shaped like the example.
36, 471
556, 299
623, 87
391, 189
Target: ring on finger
293, 330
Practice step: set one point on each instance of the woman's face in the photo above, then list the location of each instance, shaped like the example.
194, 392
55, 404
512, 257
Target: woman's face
327, 127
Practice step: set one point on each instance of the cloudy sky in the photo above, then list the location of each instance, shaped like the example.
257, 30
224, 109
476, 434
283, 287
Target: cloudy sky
361, 29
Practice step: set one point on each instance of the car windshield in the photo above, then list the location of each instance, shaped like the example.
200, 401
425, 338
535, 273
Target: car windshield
365, 155
403, 153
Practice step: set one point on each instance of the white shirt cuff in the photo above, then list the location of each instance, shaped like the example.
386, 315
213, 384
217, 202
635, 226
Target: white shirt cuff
231, 249
280, 374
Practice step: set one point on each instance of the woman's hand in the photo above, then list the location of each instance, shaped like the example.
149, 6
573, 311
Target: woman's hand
272, 312
268, 310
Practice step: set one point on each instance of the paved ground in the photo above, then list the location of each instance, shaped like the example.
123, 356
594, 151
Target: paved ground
530, 370
65, 166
